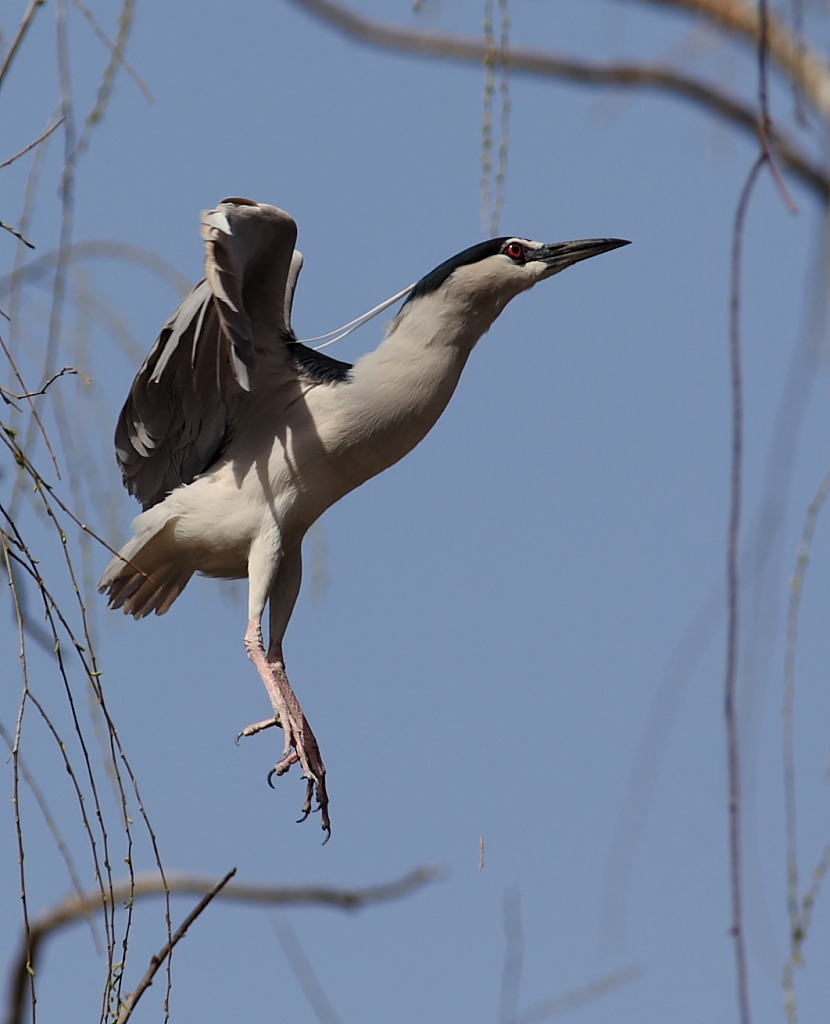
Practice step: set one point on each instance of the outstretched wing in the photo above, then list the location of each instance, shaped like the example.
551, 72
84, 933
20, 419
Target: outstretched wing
177, 415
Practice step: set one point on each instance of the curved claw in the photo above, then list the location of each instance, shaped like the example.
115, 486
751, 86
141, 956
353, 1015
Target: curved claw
282, 766
252, 730
325, 824
322, 805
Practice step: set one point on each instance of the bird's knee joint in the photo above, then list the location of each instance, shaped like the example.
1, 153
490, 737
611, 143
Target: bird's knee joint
253, 641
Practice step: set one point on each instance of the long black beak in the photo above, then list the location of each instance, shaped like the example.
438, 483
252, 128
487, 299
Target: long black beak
564, 254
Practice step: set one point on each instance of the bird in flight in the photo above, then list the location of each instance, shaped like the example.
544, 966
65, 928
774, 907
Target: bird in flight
235, 436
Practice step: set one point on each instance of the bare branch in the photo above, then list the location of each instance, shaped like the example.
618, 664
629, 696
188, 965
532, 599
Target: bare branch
35, 417
730, 684
514, 946
304, 973
526, 60
6, 394
799, 909
806, 68
765, 118
22, 29
7, 437
115, 49
578, 996
131, 999
32, 145
27, 976
17, 234
78, 907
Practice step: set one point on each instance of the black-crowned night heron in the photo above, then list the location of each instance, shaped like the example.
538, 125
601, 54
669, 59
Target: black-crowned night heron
236, 437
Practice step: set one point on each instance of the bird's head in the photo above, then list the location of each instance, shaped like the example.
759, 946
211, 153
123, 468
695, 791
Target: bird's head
501, 268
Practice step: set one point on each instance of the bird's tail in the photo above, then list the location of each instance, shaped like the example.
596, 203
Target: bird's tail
146, 575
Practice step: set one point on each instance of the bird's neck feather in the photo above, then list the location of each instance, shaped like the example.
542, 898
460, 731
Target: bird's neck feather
423, 353
397, 393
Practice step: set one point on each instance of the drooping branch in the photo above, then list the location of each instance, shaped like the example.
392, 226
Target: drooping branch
542, 63
805, 68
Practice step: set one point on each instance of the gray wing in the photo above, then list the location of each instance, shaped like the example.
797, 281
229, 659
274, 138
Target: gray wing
180, 408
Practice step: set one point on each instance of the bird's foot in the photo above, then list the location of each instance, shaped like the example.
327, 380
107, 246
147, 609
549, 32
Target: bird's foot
300, 743
314, 771
301, 748
315, 788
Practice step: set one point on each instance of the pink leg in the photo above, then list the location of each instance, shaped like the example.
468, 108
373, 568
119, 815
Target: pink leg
300, 743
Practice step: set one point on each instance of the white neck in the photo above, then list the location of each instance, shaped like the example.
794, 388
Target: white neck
397, 392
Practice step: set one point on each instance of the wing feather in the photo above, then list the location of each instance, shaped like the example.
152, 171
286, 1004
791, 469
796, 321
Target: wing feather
178, 415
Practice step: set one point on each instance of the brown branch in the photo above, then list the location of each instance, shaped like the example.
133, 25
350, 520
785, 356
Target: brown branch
78, 907
32, 145
115, 49
764, 117
35, 417
128, 1003
530, 61
17, 235
730, 685
806, 68
5, 394
8, 438
22, 29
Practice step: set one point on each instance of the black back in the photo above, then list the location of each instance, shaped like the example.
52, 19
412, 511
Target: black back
435, 278
317, 366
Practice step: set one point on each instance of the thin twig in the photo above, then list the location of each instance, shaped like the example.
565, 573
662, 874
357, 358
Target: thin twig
511, 975
304, 972
8, 438
22, 29
500, 178
35, 416
577, 997
53, 615
798, 919
46, 811
27, 974
487, 113
85, 652
32, 145
115, 49
130, 1000
16, 233
765, 119
733, 600
42, 390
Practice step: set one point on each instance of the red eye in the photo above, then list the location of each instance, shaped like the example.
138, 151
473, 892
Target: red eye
515, 250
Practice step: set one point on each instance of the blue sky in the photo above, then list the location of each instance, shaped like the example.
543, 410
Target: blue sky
517, 633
